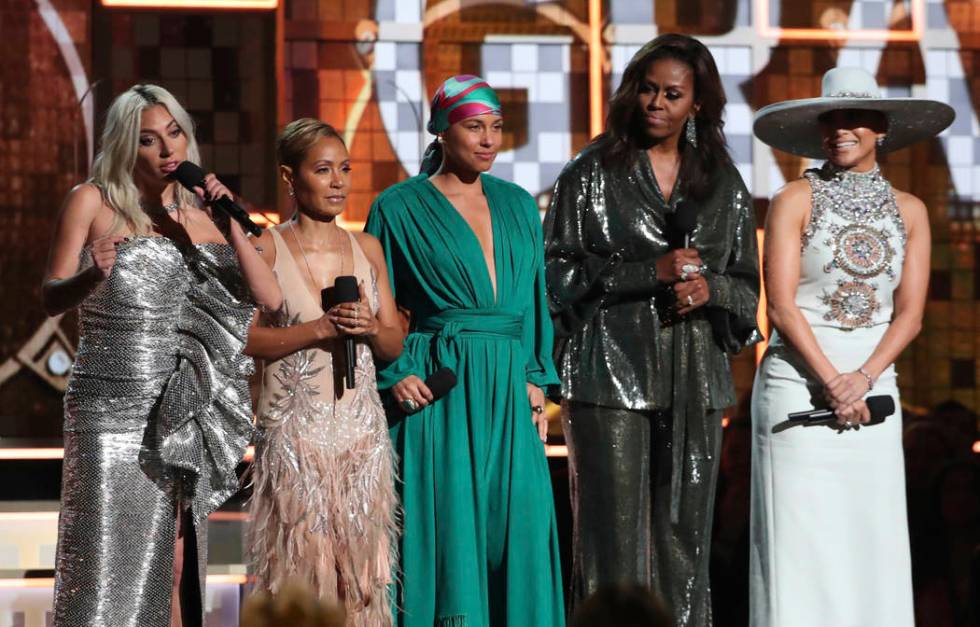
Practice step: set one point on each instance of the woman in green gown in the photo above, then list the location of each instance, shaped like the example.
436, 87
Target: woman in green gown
465, 254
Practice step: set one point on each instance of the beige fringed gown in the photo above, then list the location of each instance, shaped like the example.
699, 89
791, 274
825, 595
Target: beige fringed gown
323, 505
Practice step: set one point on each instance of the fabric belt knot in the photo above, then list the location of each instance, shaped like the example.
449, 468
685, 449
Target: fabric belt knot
450, 325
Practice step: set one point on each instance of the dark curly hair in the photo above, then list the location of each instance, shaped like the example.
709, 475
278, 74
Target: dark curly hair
624, 133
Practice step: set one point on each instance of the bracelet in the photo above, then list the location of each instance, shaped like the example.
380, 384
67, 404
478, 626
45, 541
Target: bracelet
871, 381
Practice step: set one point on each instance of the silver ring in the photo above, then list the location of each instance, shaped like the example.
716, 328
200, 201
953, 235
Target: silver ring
849, 424
690, 299
689, 268
683, 275
409, 405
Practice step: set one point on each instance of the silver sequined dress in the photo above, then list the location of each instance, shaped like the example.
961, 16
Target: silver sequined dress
829, 539
157, 405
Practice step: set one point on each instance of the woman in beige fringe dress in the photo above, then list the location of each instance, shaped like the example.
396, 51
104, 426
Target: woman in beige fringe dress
323, 507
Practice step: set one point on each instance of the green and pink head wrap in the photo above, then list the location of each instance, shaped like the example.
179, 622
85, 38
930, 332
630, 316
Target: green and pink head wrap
460, 97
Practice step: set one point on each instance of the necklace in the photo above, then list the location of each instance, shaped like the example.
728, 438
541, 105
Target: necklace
168, 208
306, 259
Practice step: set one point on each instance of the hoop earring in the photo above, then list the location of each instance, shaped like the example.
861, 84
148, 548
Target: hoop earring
290, 191
691, 132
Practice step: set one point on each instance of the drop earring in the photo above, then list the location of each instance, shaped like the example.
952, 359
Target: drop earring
691, 132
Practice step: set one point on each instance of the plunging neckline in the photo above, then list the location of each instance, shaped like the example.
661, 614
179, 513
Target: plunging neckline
317, 299
667, 201
494, 280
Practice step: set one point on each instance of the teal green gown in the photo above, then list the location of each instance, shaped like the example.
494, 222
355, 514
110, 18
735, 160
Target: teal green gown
479, 545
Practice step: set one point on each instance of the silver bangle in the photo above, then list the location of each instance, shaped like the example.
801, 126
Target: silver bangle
871, 381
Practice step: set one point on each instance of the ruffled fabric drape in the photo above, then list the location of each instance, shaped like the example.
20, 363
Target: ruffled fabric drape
157, 412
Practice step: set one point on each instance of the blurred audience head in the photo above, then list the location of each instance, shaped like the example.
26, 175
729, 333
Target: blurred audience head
294, 605
959, 423
622, 606
957, 496
926, 450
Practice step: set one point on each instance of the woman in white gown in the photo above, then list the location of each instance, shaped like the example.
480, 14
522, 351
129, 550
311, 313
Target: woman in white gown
846, 274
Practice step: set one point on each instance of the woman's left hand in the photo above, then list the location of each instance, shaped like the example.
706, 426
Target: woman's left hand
845, 389
535, 398
355, 318
691, 294
213, 189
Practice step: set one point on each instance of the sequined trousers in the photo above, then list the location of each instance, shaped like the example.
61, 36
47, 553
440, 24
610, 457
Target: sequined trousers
156, 413
620, 464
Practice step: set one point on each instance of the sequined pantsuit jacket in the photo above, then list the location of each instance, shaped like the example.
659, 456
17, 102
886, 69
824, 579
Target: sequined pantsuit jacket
642, 390
157, 409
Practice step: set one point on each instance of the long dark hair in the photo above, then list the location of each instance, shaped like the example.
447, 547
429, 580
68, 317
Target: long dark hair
623, 135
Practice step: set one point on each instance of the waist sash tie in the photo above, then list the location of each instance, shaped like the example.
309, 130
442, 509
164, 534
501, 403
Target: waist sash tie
447, 327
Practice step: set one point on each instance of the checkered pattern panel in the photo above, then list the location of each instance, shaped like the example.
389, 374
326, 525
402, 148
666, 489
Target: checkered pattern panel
401, 100
852, 14
540, 70
218, 67
401, 11
947, 82
962, 15
631, 12
735, 66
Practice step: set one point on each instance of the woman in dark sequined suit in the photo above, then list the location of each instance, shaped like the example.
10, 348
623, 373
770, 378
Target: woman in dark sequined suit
157, 410
645, 321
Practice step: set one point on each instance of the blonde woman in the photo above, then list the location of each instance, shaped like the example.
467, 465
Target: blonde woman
323, 499
157, 411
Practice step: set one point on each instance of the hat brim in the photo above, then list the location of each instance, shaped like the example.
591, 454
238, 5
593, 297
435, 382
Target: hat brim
793, 126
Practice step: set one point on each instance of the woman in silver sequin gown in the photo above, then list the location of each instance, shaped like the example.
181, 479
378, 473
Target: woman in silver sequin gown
157, 410
846, 271
323, 506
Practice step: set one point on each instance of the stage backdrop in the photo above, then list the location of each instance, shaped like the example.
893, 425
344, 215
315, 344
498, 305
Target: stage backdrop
369, 67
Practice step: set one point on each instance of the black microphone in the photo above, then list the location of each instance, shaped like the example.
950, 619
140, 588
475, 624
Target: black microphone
682, 222
344, 290
190, 176
439, 383
880, 407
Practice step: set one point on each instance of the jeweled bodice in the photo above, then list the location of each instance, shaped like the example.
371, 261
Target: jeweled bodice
852, 250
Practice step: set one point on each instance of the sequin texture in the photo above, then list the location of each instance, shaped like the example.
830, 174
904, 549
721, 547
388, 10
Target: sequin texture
625, 358
157, 405
323, 506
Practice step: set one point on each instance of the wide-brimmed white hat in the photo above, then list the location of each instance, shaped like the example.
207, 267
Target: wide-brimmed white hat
792, 126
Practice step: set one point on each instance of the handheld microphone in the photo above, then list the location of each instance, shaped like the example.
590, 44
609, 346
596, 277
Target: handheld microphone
682, 222
439, 383
190, 175
344, 291
880, 407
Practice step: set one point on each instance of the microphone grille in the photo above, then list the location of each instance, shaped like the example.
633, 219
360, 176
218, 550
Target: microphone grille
345, 289
685, 217
440, 382
189, 174
880, 406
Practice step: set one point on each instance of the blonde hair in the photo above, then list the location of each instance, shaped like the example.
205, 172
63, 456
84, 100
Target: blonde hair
112, 171
295, 605
297, 138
